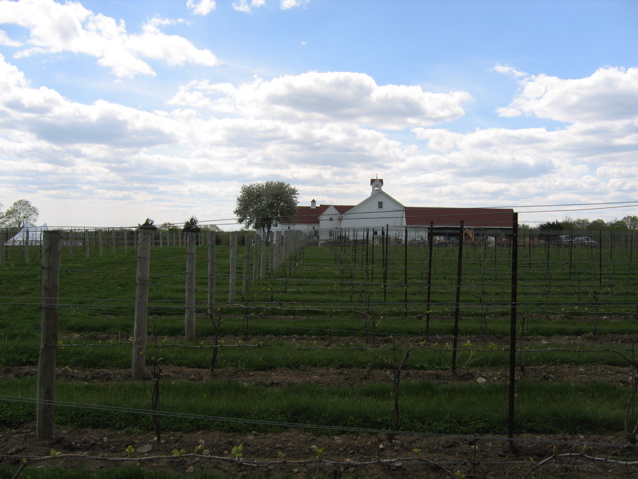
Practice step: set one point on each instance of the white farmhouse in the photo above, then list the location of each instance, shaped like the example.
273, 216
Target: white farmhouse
380, 210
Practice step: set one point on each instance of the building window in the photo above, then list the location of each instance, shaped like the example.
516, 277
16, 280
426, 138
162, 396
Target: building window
380, 204
330, 219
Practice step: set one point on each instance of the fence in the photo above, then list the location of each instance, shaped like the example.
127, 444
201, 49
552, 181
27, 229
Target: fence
386, 288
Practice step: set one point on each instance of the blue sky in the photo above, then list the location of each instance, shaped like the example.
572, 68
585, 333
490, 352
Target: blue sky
115, 111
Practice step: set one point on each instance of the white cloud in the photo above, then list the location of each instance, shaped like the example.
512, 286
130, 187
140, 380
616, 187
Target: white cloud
201, 7
6, 41
287, 4
332, 96
71, 27
505, 70
608, 94
323, 132
247, 6
47, 116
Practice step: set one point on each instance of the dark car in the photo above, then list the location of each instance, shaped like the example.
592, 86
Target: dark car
563, 240
584, 241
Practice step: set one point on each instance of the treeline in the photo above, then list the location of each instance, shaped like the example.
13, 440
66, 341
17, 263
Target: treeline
628, 223
192, 225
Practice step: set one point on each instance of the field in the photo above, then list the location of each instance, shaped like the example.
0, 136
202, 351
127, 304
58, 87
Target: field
345, 360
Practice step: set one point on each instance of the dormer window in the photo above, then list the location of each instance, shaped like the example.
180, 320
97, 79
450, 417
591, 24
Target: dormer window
380, 205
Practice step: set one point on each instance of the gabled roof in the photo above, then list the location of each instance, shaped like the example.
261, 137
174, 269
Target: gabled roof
472, 217
35, 234
341, 209
308, 215
375, 197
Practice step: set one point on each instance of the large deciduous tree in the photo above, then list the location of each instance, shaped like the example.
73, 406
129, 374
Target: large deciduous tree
20, 213
264, 205
632, 222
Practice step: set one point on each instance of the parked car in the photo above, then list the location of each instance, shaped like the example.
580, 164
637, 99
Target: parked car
563, 240
584, 241
440, 241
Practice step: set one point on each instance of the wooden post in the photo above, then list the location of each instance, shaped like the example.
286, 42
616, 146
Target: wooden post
272, 251
70, 239
256, 259
600, 256
457, 305
247, 277
86, 244
189, 320
262, 260
514, 288
125, 241
374, 239
278, 250
405, 273
3, 239
138, 363
212, 261
26, 246
100, 248
386, 255
428, 300
232, 272
51, 252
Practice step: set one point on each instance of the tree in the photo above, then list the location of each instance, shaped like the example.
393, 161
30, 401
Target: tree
549, 230
632, 222
581, 224
597, 225
148, 224
264, 205
617, 225
191, 225
567, 224
20, 213
551, 226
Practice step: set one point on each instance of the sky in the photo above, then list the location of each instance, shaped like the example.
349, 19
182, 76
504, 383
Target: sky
114, 111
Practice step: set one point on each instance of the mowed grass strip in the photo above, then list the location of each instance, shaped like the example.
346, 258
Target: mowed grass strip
425, 407
260, 355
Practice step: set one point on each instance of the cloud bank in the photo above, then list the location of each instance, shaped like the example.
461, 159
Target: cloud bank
57, 28
325, 132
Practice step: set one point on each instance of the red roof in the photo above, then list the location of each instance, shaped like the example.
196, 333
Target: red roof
307, 215
471, 217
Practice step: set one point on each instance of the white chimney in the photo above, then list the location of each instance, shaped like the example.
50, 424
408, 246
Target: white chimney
313, 204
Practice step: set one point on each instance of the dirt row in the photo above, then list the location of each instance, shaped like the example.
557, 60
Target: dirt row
305, 454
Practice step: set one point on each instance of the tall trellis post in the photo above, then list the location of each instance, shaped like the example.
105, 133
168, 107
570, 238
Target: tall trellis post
51, 253
138, 361
189, 314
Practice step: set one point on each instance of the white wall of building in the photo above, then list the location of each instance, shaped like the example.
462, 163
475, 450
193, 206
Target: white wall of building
376, 211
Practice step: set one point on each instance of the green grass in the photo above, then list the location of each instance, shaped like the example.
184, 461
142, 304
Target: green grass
346, 295
426, 407
265, 354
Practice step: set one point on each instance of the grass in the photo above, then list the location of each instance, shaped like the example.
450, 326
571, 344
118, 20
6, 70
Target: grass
328, 307
426, 407
262, 354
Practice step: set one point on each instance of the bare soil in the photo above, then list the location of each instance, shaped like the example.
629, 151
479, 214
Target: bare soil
296, 453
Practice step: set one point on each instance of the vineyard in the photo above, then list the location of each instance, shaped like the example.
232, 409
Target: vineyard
350, 359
